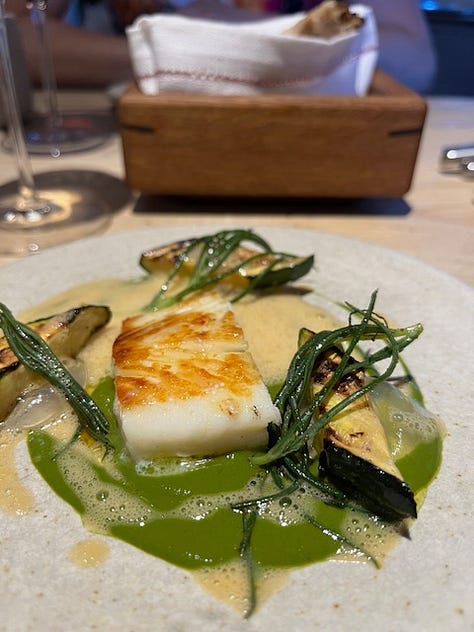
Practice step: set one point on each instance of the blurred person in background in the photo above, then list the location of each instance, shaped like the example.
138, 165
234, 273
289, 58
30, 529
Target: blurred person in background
90, 50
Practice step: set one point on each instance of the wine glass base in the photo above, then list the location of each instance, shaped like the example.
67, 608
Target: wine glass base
74, 132
68, 205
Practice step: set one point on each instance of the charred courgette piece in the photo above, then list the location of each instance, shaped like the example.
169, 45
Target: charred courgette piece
280, 269
380, 492
66, 333
353, 448
162, 258
275, 268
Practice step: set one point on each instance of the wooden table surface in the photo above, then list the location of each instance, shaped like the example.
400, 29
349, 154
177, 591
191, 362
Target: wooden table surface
434, 222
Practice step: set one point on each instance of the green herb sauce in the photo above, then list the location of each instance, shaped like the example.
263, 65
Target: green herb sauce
180, 510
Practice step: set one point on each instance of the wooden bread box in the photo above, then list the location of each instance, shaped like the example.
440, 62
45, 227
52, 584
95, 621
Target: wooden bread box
273, 145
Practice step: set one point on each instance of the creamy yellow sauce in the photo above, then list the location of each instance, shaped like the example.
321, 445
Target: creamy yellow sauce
89, 553
15, 498
230, 584
271, 325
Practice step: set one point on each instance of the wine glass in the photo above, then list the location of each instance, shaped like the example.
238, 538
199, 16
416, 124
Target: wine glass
53, 207
53, 132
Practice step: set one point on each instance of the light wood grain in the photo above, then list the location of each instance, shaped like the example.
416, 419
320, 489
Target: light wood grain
438, 228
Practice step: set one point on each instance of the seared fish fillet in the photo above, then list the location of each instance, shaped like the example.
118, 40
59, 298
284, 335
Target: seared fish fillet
186, 384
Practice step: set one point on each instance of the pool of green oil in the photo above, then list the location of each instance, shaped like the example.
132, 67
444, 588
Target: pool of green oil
208, 538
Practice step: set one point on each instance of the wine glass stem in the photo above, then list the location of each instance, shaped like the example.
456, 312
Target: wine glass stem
38, 17
25, 173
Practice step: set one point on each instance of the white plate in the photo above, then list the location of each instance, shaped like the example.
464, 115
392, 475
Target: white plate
426, 583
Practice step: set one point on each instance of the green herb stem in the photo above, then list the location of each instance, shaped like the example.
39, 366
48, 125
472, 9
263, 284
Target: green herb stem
255, 503
303, 474
301, 421
209, 268
337, 537
249, 518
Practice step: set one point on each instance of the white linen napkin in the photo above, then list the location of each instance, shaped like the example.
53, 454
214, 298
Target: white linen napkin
183, 54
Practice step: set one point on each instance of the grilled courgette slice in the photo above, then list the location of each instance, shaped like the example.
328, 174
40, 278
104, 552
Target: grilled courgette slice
66, 333
353, 448
274, 268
